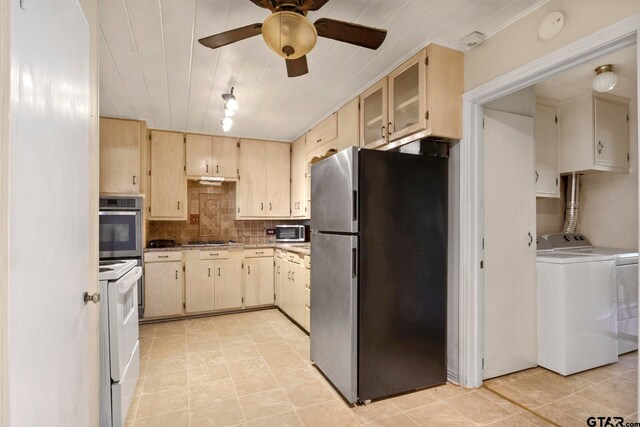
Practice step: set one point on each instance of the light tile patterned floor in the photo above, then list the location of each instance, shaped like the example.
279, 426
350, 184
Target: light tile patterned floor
253, 369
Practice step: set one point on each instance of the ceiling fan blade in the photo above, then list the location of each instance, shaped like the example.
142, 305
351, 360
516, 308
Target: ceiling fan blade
312, 5
265, 4
231, 36
348, 32
297, 67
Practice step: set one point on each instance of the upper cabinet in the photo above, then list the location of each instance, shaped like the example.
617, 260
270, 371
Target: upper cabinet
594, 134
373, 116
298, 179
348, 125
263, 189
121, 155
168, 181
211, 156
407, 98
324, 133
422, 96
546, 135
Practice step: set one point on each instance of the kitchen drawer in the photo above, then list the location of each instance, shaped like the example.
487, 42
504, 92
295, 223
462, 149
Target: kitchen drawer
307, 261
293, 257
307, 298
163, 256
325, 132
214, 254
256, 253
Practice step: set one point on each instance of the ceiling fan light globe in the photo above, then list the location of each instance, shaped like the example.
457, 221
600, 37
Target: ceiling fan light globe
289, 34
228, 112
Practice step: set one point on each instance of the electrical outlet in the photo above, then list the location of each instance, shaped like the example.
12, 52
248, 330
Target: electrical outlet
194, 219
270, 231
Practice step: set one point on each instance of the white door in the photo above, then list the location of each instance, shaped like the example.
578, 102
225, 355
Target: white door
509, 248
49, 217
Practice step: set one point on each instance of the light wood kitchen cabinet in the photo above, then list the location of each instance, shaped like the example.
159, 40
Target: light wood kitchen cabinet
122, 155
349, 125
373, 115
295, 284
408, 97
298, 293
163, 287
258, 281
211, 156
323, 133
200, 286
546, 135
264, 181
594, 134
277, 277
228, 283
422, 96
168, 181
298, 179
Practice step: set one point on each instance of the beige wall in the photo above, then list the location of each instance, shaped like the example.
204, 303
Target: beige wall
519, 44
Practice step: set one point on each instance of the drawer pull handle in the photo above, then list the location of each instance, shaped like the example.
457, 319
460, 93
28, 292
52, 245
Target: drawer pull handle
218, 271
258, 253
176, 274
209, 274
163, 256
214, 254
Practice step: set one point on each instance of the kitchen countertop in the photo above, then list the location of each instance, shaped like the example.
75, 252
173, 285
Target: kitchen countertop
301, 248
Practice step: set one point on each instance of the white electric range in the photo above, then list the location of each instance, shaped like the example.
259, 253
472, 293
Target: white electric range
119, 346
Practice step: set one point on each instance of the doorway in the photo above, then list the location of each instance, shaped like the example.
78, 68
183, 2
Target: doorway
472, 227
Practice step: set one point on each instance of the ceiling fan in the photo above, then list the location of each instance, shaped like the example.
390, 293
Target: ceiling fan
289, 33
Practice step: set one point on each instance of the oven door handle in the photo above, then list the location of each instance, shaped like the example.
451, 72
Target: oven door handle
129, 279
127, 213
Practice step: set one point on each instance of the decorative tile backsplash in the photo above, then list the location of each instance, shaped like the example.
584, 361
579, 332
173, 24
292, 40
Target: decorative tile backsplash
215, 207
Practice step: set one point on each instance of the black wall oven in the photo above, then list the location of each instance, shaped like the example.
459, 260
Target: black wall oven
121, 234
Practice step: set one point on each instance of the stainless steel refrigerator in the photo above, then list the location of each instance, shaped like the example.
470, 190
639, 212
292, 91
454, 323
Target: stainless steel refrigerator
379, 274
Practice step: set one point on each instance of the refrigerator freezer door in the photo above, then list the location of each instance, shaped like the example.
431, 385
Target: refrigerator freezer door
334, 193
402, 287
335, 309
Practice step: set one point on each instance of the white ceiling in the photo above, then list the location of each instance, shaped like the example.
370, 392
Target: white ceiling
153, 68
578, 80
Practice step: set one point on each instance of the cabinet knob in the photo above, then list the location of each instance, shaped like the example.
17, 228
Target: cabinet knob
176, 274
537, 176
248, 269
389, 128
134, 180
217, 169
178, 205
207, 168
382, 132
209, 272
218, 271
269, 205
261, 206
600, 147
530, 238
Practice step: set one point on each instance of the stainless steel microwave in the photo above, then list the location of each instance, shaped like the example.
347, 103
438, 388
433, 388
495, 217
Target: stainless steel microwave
292, 233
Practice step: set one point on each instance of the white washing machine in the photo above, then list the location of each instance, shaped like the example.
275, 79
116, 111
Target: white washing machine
576, 307
626, 282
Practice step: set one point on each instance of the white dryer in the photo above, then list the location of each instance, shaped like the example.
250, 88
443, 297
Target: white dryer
625, 279
576, 306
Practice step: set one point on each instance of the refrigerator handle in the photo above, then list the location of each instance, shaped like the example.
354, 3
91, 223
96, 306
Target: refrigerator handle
355, 205
354, 261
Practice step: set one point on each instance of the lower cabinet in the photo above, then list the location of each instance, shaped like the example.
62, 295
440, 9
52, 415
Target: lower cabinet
294, 298
258, 279
213, 284
163, 286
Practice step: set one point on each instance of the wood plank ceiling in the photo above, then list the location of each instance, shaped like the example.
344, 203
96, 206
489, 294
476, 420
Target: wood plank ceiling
153, 68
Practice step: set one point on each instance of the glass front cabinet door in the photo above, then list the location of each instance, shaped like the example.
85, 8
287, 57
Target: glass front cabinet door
408, 98
373, 116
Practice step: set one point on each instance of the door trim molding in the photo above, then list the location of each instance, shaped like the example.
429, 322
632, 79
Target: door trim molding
471, 198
